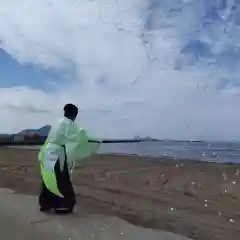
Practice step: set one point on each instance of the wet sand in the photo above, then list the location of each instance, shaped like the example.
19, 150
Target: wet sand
194, 199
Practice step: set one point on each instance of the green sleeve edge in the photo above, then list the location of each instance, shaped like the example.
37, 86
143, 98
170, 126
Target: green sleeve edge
49, 178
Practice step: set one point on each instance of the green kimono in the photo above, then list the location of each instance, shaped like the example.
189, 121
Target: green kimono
68, 143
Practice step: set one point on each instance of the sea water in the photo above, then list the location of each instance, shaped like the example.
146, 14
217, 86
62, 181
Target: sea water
220, 152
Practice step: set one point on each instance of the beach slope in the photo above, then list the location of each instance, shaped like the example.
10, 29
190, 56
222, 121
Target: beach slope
198, 200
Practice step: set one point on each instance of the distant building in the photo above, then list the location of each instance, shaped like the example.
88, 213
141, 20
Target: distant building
18, 138
136, 138
5, 138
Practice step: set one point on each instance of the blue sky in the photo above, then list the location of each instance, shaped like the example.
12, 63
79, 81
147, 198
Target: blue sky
13, 73
166, 69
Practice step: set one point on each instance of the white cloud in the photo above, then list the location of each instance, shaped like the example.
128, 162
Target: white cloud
124, 54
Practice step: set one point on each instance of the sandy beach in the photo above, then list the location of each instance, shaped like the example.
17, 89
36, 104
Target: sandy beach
194, 199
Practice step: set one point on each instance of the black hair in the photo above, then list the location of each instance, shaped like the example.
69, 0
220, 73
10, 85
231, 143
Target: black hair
70, 111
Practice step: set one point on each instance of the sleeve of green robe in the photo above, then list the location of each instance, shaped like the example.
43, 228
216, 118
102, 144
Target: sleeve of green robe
78, 151
49, 176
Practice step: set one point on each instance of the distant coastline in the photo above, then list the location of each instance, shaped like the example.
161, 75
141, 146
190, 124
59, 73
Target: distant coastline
38, 137
12, 140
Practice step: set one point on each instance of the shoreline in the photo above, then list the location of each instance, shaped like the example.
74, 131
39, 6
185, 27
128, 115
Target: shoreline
196, 199
147, 158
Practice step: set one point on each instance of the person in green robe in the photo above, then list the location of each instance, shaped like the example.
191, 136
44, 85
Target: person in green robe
66, 143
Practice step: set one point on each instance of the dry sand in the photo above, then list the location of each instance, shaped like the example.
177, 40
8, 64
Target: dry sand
194, 199
21, 220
